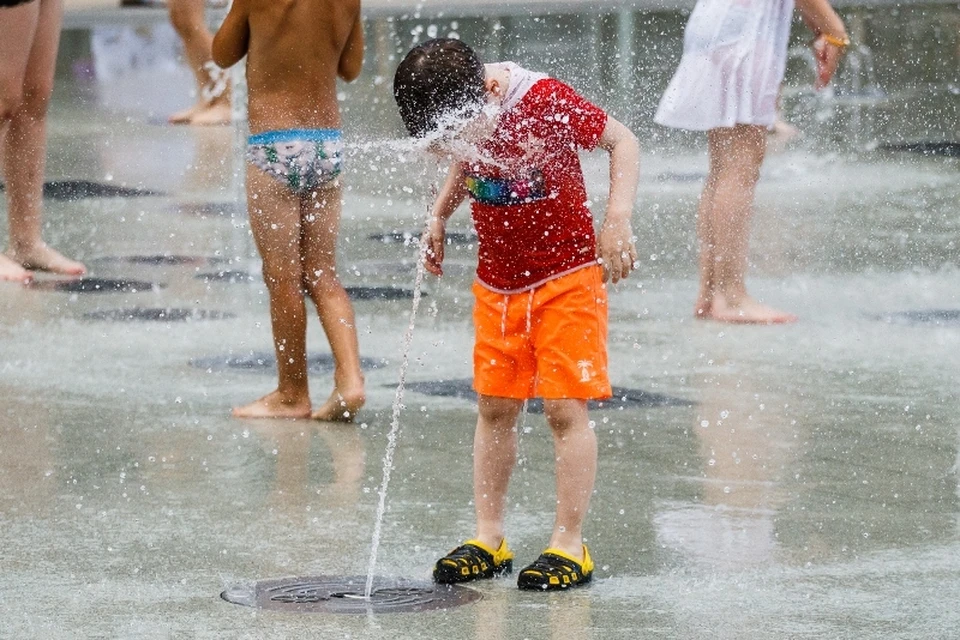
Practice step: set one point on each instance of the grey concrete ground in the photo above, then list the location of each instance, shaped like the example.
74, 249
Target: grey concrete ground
806, 487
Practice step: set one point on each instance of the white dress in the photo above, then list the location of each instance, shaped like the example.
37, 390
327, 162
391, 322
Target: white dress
734, 57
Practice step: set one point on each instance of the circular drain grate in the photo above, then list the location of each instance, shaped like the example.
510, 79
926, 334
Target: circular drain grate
927, 317
138, 314
266, 362
230, 276
332, 594
163, 259
94, 285
380, 293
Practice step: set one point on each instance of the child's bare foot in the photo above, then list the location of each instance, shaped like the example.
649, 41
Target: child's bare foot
186, 115
780, 135
701, 310
10, 271
341, 406
747, 311
274, 405
41, 257
213, 113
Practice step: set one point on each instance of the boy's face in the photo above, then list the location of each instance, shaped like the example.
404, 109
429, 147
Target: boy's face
460, 139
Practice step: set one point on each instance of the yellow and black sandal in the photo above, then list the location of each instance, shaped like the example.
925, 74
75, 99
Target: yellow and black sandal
473, 560
555, 570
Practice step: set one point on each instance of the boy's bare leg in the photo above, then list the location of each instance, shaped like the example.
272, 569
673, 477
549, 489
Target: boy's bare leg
320, 220
275, 221
494, 456
189, 21
575, 446
23, 125
736, 155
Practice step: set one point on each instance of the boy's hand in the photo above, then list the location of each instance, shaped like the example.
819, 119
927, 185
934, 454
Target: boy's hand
615, 249
435, 237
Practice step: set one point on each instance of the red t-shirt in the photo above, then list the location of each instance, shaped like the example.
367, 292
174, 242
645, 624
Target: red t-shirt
529, 201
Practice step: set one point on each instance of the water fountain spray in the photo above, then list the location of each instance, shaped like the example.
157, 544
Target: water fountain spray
394, 433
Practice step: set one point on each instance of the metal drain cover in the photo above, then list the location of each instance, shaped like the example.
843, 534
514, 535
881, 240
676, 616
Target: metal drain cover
267, 362
227, 275
162, 260
621, 398
380, 293
926, 317
95, 285
139, 314
337, 594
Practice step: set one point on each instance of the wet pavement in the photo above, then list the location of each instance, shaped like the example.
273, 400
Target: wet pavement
801, 481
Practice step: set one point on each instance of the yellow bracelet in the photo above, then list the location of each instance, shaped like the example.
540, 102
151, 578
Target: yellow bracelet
835, 41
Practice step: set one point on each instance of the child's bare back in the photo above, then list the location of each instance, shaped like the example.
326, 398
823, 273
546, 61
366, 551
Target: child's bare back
296, 50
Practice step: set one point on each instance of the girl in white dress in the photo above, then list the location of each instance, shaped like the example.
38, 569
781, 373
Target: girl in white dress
734, 56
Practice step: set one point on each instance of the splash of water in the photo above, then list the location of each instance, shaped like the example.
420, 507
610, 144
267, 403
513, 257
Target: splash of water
456, 139
394, 433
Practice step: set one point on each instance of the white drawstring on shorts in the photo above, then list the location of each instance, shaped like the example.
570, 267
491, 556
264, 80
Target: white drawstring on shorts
503, 317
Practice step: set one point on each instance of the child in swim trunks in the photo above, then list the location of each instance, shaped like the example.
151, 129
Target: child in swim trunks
540, 314
295, 52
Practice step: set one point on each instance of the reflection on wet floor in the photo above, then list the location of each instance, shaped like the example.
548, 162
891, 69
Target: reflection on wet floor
744, 446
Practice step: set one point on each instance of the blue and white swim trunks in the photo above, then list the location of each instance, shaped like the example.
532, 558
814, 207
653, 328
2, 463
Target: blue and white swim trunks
302, 159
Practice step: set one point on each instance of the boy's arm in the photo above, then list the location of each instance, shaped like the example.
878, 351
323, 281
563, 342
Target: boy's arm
233, 37
615, 246
831, 34
451, 195
351, 59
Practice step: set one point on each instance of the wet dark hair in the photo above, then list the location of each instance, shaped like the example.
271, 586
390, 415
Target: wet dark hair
437, 79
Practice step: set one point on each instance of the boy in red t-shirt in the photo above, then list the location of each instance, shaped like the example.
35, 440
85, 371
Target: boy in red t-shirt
541, 303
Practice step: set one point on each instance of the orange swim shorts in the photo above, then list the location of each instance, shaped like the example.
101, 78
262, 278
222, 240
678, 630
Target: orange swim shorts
549, 342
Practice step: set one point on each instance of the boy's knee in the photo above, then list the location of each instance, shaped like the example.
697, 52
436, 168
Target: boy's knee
563, 415
497, 410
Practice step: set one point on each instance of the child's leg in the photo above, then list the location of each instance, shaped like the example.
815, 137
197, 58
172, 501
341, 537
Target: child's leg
723, 226
189, 21
705, 245
13, 64
494, 456
23, 112
575, 446
320, 225
275, 221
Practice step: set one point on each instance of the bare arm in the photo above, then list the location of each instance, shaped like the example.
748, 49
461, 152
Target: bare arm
615, 246
452, 193
820, 17
233, 38
829, 30
351, 60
